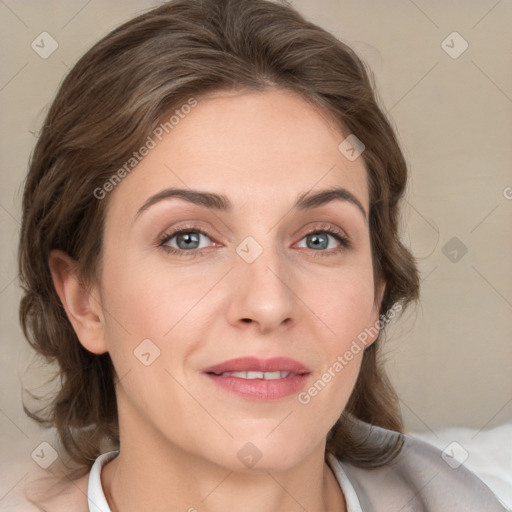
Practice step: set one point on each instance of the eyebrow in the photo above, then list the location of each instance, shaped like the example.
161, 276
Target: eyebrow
220, 202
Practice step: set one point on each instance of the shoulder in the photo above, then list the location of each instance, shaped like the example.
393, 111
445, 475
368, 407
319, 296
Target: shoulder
44, 492
420, 479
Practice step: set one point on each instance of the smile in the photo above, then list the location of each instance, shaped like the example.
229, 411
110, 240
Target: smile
258, 375
261, 379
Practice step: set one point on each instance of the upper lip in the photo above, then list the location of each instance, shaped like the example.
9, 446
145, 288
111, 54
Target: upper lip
257, 364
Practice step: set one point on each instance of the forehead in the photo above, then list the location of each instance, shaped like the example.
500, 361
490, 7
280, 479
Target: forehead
266, 146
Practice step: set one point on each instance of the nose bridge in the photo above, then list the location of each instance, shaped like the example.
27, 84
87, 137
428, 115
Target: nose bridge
261, 290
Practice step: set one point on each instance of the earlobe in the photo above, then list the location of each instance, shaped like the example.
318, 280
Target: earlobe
82, 305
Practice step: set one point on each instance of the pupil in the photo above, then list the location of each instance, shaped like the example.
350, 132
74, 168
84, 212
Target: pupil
316, 238
190, 238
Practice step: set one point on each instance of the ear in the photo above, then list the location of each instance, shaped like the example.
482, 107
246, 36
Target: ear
82, 304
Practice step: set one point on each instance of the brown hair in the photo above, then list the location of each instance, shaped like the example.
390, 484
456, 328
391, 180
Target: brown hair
110, 102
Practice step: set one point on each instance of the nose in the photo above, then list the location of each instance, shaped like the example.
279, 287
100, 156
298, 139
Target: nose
261, 294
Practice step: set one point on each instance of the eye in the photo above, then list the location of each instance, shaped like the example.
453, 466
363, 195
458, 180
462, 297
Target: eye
186, 241
318, 240
183, 240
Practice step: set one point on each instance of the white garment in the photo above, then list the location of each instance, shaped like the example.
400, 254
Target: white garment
95, 494
420, 478
98, 502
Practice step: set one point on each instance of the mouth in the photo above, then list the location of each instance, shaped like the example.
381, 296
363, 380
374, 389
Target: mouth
260, 379
252, 375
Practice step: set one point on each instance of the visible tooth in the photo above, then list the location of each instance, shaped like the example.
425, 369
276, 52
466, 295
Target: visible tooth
257, 375
242, 375
254, 375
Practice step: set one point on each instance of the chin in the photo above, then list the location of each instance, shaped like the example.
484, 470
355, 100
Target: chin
274, 453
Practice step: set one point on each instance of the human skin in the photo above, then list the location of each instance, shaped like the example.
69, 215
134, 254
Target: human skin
180, 433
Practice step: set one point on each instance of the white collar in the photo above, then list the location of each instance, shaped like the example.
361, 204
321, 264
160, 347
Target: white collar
95, 494
98, 502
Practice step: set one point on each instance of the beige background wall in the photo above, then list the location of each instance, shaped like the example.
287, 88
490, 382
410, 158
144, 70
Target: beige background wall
451, 358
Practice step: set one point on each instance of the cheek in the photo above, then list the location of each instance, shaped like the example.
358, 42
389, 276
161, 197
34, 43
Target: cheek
344, 303
345, 308
149, 300
168, 306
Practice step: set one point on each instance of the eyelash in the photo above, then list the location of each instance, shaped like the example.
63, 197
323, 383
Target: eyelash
194, 253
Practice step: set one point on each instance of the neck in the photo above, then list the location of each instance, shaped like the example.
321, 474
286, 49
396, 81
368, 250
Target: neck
151, 473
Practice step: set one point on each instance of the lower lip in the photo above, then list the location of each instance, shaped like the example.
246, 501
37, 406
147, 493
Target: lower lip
261, 389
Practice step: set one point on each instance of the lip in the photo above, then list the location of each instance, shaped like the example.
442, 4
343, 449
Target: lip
260, 389
256, 364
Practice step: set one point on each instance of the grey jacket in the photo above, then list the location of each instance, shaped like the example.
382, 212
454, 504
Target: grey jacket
420, 479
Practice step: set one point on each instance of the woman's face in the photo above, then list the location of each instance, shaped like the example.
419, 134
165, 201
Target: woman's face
259, 277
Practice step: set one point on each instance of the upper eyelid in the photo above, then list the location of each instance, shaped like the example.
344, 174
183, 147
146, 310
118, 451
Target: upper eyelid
323, 226
190, 226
